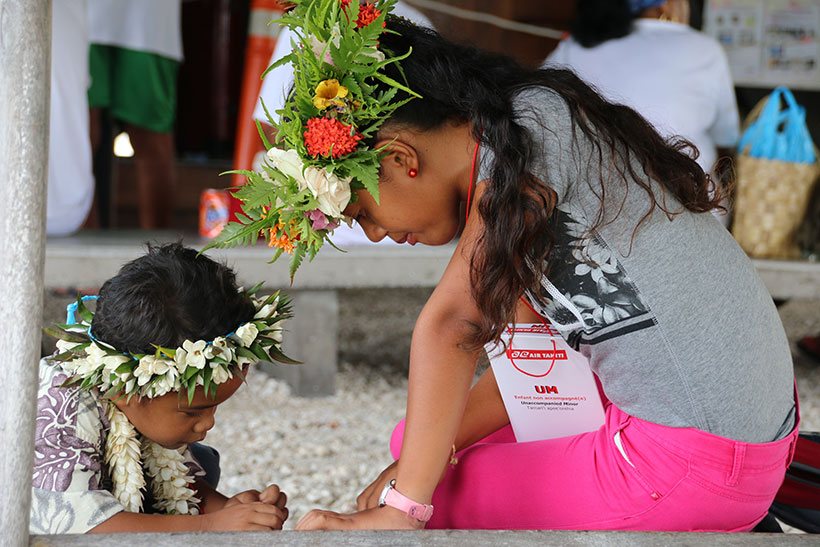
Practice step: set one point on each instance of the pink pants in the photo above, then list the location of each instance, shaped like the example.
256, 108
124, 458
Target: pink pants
675, 479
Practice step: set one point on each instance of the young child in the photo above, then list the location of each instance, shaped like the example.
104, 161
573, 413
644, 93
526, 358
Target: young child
133, 385
579, 211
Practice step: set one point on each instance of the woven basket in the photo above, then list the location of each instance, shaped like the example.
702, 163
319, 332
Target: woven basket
771, 201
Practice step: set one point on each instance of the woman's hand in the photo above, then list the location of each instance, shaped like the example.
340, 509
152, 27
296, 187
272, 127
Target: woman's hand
378, 518
369, 498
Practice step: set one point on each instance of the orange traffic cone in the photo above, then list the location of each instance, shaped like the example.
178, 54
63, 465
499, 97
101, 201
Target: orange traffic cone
261, 41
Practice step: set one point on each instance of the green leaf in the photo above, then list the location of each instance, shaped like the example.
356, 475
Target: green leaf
83, 312
277, 355
191, 391
61, 334
260, 353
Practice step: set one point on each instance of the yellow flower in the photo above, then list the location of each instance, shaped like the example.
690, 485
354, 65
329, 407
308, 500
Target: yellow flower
329, 93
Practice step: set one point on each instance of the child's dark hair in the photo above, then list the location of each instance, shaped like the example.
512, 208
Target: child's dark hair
461, 84
167, 296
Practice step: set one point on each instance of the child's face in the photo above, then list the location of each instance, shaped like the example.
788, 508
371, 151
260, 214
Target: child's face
170, 421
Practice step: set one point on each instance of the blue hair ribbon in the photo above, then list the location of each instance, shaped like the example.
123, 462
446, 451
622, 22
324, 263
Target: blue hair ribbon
71, 309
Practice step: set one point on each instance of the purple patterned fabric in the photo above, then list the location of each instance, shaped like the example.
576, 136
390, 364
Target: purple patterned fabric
57, 449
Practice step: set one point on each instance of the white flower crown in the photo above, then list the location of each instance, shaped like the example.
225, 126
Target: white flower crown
95, 364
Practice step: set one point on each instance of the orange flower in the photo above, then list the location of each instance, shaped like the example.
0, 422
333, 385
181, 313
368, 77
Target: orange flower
280, 239
367, 14
330, 137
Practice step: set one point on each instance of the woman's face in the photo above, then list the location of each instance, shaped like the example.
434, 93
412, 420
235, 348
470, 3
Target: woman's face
423, 208
408, 212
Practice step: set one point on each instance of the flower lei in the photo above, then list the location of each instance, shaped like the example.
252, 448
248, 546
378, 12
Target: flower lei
297, 198
95, 365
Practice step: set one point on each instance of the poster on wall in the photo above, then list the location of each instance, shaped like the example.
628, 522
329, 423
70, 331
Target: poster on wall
768, 42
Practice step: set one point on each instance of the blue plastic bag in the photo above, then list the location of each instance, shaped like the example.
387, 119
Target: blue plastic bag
779, 133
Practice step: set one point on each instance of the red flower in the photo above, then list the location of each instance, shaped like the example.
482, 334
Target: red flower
367, 14
344, 3
330, 137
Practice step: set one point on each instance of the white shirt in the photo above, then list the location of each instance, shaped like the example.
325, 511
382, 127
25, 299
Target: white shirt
153, 26
676, 77
70, 178
278, 82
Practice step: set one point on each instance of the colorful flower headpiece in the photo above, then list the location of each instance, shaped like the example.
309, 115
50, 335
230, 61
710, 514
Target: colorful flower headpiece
95, 364
320, 157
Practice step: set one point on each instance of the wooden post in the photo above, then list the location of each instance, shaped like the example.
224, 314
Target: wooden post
25, 53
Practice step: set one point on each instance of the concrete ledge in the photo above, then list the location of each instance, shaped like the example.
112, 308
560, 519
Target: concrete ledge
787, 279
432, 537
88, 259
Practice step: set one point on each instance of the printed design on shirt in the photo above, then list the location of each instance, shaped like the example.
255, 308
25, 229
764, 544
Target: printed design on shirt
58, 449
587, 292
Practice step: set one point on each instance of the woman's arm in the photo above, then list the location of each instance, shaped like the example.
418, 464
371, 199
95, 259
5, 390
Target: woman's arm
441, 371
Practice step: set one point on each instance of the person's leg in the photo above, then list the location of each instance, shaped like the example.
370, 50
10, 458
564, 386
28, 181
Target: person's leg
144, 98
628, 475
154, 160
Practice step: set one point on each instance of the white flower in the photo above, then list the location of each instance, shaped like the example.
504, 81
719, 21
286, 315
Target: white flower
112, 362
64, 346
286, 162
166, 383
332, 193
219, 348
181, 359
246, 334
195, 357
266, 311
148, 367
83, 367
276, 335
95, 354
221, 374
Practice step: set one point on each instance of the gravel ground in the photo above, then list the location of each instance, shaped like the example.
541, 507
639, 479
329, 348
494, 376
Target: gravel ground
322, 452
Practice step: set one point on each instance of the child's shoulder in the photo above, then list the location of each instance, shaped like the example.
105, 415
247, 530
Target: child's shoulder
66, 410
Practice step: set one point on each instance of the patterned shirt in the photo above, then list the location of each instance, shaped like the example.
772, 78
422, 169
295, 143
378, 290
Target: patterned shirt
70, 481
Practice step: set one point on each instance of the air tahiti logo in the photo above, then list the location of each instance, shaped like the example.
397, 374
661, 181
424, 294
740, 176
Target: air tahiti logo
536, 363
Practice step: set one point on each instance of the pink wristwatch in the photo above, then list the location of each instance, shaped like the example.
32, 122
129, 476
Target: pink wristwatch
392, 497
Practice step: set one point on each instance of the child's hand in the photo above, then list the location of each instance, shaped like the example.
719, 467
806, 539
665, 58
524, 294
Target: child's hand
248, 496
271, 495
244, 517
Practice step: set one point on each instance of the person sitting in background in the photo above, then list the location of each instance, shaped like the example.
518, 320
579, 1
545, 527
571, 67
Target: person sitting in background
642, 53
119, 413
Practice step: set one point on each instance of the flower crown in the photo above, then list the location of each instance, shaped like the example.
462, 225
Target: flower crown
95, 364
298, 196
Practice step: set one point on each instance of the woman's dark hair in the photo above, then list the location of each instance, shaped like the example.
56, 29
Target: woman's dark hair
167, 296
597, 21
463, 84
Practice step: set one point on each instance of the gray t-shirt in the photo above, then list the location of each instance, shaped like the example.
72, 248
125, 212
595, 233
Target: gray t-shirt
672, 317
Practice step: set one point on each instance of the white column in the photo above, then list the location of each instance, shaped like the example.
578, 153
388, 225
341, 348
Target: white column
25, 50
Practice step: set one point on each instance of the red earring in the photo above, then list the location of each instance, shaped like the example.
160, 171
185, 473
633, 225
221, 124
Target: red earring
412, 173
